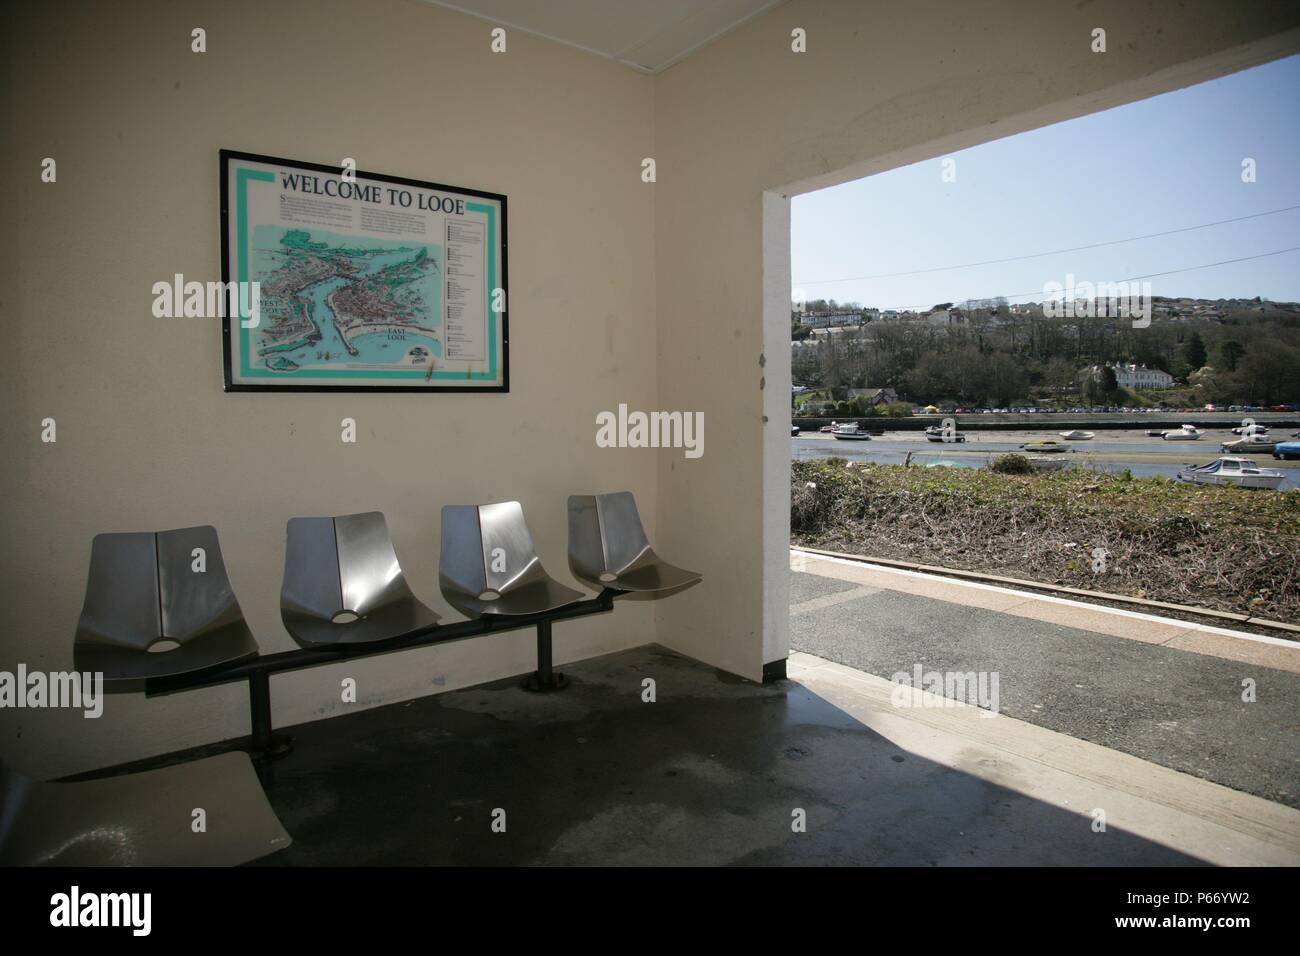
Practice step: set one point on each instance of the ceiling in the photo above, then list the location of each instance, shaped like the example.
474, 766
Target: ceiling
647, 36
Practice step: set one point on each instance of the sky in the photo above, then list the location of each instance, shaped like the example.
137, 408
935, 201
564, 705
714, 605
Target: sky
1160, 164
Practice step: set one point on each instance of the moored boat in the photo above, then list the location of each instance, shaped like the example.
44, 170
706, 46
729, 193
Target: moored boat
1186, 433
1287, 450
1231, 470
1047, 446
1076, 435
939, 435
850, 431
1257, 444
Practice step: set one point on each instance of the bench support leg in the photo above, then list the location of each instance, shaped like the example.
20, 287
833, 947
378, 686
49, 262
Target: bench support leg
545, 679
265, 743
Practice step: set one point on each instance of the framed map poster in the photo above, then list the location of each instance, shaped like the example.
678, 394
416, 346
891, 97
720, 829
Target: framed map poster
352, 281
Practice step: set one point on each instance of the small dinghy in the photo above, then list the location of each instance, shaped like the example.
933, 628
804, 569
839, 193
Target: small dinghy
850, 431
1048, 446
1076, 435
1241, 472
1250, 430
1155, 433
1186, 433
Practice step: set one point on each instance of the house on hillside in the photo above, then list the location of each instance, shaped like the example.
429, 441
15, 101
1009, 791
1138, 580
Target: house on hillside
874, 396
945, 317
1139, 376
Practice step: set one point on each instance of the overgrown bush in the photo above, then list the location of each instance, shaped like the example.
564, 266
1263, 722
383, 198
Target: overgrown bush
1012, 464
1225, 548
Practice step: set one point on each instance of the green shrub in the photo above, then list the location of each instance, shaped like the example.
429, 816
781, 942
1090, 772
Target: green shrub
1011, 465
894, 410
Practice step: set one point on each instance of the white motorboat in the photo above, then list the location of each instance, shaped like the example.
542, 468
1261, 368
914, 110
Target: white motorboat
1258, 444
1186, 433
850, 431
1076, 435
794, 430
1231, 470
1250, 430
936, 433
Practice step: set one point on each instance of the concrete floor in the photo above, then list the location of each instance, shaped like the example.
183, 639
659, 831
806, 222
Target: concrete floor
711, 773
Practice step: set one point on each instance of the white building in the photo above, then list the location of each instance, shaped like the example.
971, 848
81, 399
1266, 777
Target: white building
1139, 376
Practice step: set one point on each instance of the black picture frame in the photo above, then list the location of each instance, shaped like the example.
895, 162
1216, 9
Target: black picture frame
230, 385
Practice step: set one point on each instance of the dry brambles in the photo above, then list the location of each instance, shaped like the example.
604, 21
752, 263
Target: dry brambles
1221, 548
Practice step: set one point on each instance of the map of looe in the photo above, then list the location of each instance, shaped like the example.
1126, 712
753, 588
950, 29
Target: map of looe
340, 302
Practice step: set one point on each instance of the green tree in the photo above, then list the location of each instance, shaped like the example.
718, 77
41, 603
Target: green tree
1194, 351
1230, 351
1098, 385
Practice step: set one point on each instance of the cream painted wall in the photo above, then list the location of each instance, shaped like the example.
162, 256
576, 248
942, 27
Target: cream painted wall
146, 437
745, 123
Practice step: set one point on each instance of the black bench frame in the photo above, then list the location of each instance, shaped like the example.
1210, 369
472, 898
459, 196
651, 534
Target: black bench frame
258, 670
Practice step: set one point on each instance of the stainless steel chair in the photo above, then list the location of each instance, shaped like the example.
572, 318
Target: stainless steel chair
140, 819
155, 605
608, 547
343, 585
489, 566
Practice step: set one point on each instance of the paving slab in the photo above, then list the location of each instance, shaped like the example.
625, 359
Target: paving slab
1161, 703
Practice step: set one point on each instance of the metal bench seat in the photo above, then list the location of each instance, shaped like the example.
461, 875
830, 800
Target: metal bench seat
489, 566
140, 819
158, 603
343, 584
608, 547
